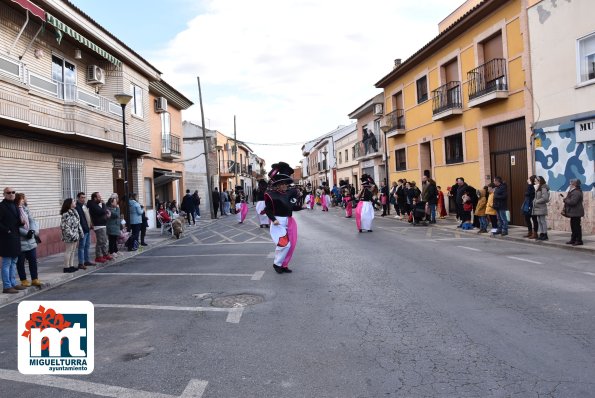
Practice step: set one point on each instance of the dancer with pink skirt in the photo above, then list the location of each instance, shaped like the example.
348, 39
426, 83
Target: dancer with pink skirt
347, 199
364, 212
261, 216
280, 203
241, 205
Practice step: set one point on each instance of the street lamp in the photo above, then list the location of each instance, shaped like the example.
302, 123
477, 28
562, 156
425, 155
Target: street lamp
123, 100
324, 153
385, 130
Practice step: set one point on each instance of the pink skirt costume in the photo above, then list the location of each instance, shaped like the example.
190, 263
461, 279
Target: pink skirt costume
348, 206
279, 206
241, 211
364, 212
326, 200
312, 201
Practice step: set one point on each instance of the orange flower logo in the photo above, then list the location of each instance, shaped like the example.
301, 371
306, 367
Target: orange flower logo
43, 319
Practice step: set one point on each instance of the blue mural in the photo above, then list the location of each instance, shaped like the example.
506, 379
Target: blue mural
559, 158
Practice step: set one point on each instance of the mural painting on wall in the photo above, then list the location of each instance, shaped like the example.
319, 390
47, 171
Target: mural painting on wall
559, 158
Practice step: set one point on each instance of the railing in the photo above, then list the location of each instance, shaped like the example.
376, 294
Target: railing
447, 97
394, 120
368, 146
487, 78
170, 145
227, 167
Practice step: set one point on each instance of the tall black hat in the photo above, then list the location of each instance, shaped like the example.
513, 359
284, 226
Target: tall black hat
281, 172
262, 184
367, 180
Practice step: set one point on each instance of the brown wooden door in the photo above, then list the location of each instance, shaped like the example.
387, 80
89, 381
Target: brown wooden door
508, 159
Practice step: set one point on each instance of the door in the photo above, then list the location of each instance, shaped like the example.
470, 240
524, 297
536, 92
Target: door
425, 159
508, 159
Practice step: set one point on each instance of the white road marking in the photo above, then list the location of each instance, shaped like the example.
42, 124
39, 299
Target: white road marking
177, 274
469, 248
523, 259
257, 275
268, 242
195, 388
429, 232
447, 239
233, 314
589, 273
195, 239
212, 255
271, 255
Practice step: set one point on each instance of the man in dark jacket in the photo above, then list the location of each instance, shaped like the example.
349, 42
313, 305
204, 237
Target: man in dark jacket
98, 214
10, 241
188, 207
85, 242
196, 200
501, 205
429, 195
216, 199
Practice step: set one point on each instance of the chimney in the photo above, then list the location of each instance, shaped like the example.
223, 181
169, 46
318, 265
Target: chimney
397, 63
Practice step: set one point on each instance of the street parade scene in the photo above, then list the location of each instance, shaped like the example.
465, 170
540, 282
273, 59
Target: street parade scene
337, 199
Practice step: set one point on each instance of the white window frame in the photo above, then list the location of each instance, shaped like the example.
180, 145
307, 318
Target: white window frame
136, 103
73, 177
580, 58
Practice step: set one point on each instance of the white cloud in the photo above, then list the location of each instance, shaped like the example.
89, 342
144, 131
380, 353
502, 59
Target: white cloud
292, 70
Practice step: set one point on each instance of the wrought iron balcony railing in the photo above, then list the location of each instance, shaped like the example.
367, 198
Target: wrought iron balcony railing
366, 147
487, 78
447, 97
170, 145
394, 120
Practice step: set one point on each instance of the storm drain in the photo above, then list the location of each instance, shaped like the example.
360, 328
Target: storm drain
237, 300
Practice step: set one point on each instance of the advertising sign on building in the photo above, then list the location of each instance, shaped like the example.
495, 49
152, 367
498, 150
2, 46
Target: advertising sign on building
585, 130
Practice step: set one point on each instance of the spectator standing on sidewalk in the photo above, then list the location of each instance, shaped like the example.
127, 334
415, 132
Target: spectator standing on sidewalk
384, 201
98, 213
10, 243
113, 226
29, 232
480, 210
85, 242
196, 200
143, 227
441, 205
136, 221
490, 211
501, 205
216, 200
573, 209
72, 232
530, 219
430, 197
542, 198
188, 207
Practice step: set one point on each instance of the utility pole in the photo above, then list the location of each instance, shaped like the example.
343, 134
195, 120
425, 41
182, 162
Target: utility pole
235, 146
206, 147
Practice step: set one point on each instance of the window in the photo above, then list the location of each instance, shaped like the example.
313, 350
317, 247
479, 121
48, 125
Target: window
401, 159
340, 160
346, 155
165, 124
136, 104
422, 89
64, 75
148, 193
353, 152
73, 177
586, 55
454, 148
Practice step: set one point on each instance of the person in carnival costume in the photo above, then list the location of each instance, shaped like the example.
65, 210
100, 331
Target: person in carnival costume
280, 202
263, 220
310, 200
241, 205
347, 199
364, 212
325, 197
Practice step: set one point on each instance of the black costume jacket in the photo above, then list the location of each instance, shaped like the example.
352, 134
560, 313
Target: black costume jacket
281, 204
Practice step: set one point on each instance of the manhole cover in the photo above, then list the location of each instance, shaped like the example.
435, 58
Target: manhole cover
238, 300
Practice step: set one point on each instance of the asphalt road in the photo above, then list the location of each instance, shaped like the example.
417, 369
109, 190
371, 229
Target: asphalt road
399, 312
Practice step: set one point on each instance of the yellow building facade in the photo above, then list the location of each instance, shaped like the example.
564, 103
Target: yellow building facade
460, 106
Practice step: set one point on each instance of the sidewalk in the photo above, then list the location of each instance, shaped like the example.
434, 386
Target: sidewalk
516, 233
51, 273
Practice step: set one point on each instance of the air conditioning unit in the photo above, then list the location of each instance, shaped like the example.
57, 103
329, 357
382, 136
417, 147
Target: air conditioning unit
160, 105
378, 111
95, 75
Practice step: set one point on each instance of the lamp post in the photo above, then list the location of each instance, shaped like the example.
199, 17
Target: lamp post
385, 130
123, 100
324, 153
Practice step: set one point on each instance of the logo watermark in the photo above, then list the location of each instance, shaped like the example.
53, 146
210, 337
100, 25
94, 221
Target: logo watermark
56, 337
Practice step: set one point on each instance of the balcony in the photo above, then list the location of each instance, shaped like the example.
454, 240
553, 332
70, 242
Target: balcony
393, 123
170, 146
41, 103
228, 168
488, 82
368, 148
447, 101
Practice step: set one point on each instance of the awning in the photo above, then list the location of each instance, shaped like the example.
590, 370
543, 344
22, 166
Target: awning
162, 177
32, 8
62, 27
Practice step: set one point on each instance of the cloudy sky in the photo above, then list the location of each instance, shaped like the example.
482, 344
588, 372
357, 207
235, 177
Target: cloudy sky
290, 70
